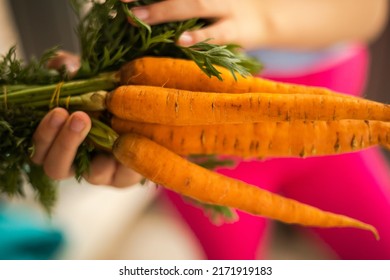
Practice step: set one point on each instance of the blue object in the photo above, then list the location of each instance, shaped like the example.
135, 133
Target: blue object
294, 60
25, 237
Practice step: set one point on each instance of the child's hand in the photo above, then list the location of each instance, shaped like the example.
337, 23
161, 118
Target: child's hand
56, 141
234, 21
59, 135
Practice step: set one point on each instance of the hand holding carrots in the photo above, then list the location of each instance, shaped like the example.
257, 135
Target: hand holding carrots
148, 103
270, 23
229, 24
56, 141
59, 135
250, 102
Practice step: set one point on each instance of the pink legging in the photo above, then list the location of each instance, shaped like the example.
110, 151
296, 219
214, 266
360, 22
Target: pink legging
355, 184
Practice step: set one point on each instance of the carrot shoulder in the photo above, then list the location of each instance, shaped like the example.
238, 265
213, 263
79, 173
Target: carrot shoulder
166, 168
180, 107
185, 74
264, 139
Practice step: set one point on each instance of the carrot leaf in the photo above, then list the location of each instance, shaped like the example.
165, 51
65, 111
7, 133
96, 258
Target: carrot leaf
218, 214
106, 24
16, 128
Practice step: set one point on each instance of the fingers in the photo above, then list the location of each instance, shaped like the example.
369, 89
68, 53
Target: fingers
233, 21
225, 31
124, 176
56, 141
245, 23
176, 10
70, 61
46, 133
105, 170
220, 32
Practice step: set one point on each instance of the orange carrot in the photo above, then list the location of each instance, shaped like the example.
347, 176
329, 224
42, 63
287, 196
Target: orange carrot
166, 168
179, 107
185, 74
264, 139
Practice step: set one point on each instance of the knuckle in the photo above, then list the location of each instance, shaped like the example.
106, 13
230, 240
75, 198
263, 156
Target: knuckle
126, 177
97, 180
127, 183
53, 173
200, 35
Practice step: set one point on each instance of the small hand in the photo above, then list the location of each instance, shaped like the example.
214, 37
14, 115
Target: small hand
56, 141
59, 135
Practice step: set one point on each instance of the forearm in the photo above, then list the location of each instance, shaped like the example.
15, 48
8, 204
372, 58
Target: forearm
309, 24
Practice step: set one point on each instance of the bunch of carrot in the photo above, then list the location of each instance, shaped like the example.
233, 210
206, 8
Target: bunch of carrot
168, 108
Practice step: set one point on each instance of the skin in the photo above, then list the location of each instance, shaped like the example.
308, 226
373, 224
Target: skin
273, 23
59, 134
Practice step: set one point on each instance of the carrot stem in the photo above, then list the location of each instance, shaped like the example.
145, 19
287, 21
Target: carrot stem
33, 93
102, 135
91, 101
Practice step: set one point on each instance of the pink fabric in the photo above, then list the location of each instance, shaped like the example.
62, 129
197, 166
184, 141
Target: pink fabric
344, 73
355, 184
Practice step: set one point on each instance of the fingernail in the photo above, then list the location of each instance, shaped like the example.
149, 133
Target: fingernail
141, 13
186, 39
76, 124
56, 120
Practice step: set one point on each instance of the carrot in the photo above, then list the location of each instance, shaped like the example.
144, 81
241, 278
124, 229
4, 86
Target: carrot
179, 107
264, 139
185, 74
166, 168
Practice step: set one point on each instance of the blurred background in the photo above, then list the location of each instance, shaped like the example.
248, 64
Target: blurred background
91, 222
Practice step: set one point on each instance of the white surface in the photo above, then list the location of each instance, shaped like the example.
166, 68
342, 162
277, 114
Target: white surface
94, 217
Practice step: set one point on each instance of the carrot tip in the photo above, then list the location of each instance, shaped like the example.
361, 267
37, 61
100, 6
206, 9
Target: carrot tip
375, 232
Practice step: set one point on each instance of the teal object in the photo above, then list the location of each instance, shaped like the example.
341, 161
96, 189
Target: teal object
23, 236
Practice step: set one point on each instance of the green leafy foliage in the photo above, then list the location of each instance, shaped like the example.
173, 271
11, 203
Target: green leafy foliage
14, 71
211, 161
217, 214
16, 129
83, 159
108, 40
45, 188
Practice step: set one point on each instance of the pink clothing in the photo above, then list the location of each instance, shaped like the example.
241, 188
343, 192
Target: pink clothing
355, 184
